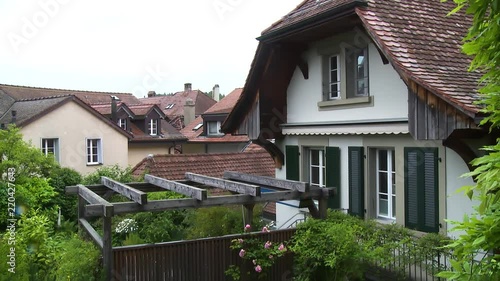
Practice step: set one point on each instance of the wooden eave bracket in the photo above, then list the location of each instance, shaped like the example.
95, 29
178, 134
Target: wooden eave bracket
238, 187
271, 148
191, 191
125, 190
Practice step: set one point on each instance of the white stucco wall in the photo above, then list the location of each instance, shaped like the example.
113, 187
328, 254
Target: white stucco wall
72, 124
387, 90
457, 203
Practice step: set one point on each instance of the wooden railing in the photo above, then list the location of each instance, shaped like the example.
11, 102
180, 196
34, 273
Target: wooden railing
202, 259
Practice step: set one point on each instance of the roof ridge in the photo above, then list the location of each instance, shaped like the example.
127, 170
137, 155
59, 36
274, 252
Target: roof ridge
70, 90
46, 98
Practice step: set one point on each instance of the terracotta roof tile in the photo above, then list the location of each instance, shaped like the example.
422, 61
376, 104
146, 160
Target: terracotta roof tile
425, 43
27, 93
177, 100
226, 104
173, 167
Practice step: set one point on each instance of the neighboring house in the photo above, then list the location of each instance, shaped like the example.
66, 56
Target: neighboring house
204, 135
373, 98
173, 105
65, 126
151, 133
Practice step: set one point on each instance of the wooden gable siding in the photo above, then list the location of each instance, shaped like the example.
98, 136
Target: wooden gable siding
251, 124
431, 118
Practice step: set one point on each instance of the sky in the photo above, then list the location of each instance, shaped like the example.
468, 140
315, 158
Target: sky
132, 46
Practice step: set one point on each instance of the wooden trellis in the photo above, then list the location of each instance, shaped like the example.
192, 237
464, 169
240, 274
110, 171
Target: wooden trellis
246, 189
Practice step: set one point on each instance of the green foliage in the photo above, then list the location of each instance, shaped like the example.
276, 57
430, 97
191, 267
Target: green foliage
26, 159
218, 221
59, 179
343, 246
259, 255
481, 229
78, 260
114, 172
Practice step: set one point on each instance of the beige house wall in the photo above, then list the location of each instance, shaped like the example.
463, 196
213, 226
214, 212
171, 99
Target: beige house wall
137, 152
71, 124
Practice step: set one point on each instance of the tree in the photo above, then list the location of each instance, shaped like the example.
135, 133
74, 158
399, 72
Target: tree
481, 238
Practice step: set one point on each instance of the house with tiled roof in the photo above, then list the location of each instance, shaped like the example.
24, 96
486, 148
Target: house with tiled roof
204, 135
372, 98
61, 124
100, 129
150, 132
173, 106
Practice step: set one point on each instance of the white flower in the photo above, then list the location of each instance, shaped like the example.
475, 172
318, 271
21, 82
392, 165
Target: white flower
126, 226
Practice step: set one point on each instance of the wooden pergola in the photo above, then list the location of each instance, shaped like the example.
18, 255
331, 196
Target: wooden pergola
245, 189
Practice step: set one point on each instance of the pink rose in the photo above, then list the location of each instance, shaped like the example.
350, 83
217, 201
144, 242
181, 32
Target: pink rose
258, 268
247, 227
267, 245
242, 253
282, 247
264, 229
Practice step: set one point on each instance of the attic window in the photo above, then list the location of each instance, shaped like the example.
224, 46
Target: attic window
169, 106
197, 126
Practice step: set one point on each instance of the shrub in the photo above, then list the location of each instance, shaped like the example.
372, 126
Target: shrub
115, 172
78, 260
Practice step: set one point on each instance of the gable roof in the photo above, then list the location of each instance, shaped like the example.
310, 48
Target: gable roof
226, 104
201, 101
422, 43
23, 93
30, 110
174, 166
222, 107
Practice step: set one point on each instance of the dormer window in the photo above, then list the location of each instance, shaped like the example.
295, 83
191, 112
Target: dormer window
213, 128
153, 127
122, 123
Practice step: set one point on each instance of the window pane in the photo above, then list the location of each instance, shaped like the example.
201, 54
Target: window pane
361, 87
383, 207
334, 76
382, 160
314, 157
393, 182
333, 62
315, 175
382, 182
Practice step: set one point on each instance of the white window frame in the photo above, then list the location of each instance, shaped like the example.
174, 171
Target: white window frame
210, 132
90, 145
153, 127
44, 146
332, 68
391, 184
122, 123
321, 167
365, 78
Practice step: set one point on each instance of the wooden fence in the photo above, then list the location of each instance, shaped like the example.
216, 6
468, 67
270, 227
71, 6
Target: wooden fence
202, 259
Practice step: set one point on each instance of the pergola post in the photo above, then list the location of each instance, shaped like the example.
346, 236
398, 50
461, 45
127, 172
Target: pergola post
107, 249
248, 214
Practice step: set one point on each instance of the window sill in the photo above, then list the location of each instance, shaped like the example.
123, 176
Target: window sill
363, 101
94, 164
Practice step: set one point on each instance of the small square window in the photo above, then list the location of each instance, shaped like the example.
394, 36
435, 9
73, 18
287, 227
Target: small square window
213, 128
122, 123
51, 147
153, 127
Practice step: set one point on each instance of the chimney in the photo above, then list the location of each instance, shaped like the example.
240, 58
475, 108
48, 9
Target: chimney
13, 113
187, 87
151, 94
188, 111
216, 92
114, 108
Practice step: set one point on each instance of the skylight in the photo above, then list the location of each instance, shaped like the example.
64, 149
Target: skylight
169, 106
197, 126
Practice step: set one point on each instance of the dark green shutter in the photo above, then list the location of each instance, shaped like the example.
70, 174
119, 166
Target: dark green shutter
356, 181
292, 162
421, 189
333, 175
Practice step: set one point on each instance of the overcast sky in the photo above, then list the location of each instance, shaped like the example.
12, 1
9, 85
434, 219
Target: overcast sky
132, 46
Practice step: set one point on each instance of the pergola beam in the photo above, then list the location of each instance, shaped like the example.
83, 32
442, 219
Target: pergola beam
95, 199
92, 232
101, 189
191, 191
186, 203
238, 187
125, 190
268, 181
